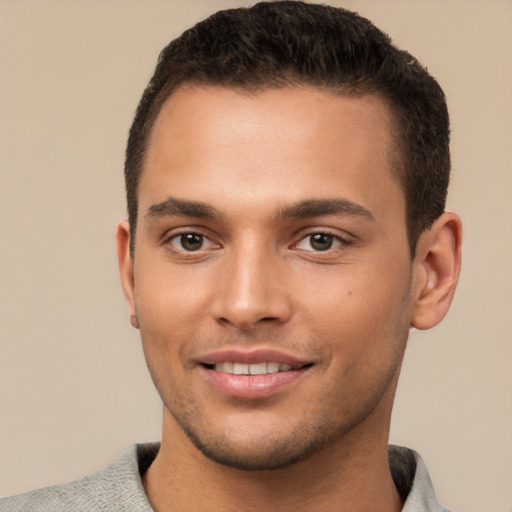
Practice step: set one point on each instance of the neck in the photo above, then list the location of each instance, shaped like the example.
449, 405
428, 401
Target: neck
349, 476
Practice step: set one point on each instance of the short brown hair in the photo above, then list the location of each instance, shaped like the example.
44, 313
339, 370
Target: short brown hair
276, 44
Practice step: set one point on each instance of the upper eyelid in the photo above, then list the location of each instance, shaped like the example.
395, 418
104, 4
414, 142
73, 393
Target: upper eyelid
184, 253
185, 230
341, 240
344, 236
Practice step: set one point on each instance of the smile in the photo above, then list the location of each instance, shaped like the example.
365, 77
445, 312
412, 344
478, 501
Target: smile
255, 373
252, 369
249, 381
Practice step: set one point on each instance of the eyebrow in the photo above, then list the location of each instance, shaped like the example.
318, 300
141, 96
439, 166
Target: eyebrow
181, 207
320, 207
302, 209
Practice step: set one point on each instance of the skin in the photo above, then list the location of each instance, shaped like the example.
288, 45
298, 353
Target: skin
260, 281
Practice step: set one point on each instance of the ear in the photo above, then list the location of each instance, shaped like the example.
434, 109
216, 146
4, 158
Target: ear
436, 270
125, 262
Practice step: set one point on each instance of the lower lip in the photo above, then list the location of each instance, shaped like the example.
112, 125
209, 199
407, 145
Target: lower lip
251, 387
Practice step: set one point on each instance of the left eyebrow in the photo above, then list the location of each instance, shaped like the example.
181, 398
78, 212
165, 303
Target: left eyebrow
182, 208
320, 207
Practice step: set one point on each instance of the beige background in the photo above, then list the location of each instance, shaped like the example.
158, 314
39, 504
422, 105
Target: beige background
74, 390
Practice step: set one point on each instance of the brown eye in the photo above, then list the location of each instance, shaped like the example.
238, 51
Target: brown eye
189, 242
321, 241
192, 243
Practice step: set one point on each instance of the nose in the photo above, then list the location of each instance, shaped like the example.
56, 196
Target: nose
250, 291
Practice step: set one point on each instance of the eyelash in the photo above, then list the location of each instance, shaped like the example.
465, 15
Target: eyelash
334, 241
179, 237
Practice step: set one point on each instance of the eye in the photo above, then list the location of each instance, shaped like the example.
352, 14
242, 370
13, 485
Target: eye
319, 242
190, 242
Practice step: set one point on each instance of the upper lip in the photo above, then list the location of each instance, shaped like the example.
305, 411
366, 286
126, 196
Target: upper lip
251, 356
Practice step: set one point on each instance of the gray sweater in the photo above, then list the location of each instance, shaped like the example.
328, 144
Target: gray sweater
118, 487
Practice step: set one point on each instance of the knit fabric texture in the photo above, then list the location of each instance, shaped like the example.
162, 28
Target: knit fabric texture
118, 487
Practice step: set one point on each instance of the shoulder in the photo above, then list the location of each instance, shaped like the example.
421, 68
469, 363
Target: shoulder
413, 481
117, 487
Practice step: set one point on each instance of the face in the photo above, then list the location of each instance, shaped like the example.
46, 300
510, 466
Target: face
272, 276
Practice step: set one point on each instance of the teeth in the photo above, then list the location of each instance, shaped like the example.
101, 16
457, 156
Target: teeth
258, 369
252, 369
272, 367
241, 369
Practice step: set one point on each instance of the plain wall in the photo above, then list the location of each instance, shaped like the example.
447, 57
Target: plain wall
74, 390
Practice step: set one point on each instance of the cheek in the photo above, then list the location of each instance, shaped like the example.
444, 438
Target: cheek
359, 310
168, 328
168, 297
166, 318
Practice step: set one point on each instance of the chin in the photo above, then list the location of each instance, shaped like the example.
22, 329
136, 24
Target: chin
254, 454
262, 447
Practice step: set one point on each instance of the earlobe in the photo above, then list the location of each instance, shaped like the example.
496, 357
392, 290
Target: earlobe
125, 262
436, 271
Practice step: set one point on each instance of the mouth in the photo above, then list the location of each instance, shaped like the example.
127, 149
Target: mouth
255, 374
263, 368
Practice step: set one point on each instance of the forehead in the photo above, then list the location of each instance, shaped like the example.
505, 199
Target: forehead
195, 106
275, 142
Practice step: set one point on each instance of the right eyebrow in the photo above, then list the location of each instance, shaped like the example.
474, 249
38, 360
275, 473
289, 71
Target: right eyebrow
183, 208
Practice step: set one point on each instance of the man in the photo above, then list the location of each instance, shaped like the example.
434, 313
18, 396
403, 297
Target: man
286, 176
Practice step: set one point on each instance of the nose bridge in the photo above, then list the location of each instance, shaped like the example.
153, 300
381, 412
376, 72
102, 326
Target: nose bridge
250, 288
